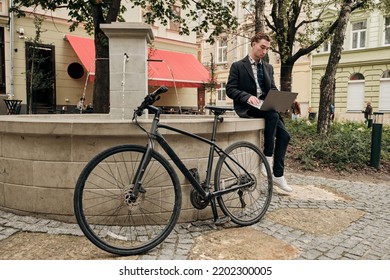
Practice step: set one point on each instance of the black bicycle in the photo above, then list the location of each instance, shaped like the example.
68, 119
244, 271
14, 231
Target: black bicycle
128, 198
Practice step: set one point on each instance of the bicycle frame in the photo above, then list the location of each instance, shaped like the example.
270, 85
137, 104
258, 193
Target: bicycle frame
155, 135
128, 198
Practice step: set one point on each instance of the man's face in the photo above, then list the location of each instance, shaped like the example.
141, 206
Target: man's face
260, 49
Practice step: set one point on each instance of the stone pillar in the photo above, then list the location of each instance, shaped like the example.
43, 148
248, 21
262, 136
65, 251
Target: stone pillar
128, 65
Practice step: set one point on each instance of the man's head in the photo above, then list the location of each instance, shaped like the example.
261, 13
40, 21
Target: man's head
260, 43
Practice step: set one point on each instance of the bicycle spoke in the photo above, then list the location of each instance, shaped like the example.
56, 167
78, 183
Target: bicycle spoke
247, 204
107, 211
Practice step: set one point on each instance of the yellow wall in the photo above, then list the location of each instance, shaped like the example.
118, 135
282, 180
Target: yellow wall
53, 32
71, 89
369, 62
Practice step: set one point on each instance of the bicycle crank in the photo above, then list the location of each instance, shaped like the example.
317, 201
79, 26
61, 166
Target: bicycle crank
197, 200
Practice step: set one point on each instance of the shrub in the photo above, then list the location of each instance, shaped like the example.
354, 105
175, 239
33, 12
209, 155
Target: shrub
346, 147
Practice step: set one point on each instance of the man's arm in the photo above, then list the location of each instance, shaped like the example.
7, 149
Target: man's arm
232, 86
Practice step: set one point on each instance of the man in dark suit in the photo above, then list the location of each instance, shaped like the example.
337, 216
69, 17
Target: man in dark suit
249, 81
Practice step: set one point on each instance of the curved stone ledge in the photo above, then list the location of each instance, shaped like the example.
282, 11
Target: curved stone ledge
41, 157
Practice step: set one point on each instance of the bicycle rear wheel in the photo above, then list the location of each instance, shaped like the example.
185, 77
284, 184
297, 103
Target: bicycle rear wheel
108, 216
248, 204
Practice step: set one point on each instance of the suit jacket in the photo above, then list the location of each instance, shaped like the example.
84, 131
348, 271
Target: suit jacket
242, 84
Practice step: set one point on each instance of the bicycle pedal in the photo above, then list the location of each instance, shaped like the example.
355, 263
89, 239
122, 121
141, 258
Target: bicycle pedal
222, 221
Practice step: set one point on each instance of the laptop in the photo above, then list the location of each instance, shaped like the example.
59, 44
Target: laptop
279, 101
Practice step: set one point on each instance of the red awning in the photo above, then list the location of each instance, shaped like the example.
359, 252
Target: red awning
85, 50
176, 69
164, 67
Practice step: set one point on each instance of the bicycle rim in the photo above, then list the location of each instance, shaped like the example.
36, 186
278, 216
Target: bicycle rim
246, 205
106, 215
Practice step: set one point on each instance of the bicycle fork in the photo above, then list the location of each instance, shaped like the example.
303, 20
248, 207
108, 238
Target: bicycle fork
140, 172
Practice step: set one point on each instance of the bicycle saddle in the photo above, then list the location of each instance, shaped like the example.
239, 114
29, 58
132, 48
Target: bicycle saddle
219, 110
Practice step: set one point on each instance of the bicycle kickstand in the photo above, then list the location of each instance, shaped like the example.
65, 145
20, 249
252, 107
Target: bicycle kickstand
218, 221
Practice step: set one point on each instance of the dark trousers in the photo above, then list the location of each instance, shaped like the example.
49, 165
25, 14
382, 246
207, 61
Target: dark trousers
276, 138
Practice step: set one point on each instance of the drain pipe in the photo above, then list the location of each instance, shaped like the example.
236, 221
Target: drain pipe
11, 50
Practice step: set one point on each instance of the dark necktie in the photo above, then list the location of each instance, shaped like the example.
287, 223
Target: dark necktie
260, 77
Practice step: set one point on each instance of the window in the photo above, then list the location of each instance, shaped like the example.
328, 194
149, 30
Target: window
387, 31
384, 92
357, 76
359, 30
355, 101
222, 50
223, 2
174, 23
386, 74
200, 16
249, 8
326, 47
221, 91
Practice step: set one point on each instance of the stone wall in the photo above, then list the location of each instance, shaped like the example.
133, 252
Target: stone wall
41, 157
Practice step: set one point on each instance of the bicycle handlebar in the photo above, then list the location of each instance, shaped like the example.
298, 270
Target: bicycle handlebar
150, 99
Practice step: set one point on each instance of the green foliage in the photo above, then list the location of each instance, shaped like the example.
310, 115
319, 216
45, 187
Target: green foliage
346, 147
386, 143
384, 6
207, 16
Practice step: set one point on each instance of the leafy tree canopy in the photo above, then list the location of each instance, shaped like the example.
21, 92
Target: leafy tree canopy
207, 16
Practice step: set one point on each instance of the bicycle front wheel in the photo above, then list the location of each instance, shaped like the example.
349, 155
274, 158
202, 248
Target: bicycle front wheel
105, 207
241, 166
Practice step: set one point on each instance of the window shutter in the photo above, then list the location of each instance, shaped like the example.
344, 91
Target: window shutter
355, 101
384, 95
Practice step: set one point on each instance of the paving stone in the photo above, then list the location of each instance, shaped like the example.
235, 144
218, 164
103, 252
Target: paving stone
365, 238
9, 231
3, 236
28, 219
312, 254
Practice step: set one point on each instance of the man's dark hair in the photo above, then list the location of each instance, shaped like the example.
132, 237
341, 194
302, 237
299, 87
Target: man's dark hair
260, 36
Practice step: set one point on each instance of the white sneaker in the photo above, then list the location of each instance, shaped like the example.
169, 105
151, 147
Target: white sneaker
282, 183
263, 169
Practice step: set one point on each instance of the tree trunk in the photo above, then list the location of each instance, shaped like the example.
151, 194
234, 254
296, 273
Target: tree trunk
259, 16
327, 87
259, 21
101, 89
286, 76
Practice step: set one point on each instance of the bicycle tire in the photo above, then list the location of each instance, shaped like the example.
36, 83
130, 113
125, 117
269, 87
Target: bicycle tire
119, 226
246, 205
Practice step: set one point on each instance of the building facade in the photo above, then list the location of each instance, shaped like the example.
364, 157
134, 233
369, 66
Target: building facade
63, 72
231, 47
363, 74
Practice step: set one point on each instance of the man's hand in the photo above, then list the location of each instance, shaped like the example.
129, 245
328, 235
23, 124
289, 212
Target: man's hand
253, 100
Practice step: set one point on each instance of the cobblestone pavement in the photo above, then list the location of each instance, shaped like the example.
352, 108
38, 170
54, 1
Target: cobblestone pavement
312, 219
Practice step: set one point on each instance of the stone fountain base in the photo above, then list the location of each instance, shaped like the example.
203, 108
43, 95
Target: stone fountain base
42, 156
